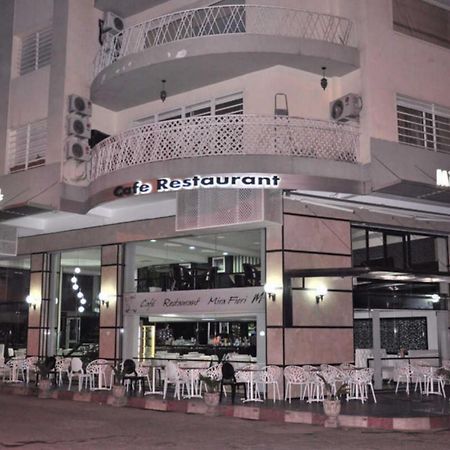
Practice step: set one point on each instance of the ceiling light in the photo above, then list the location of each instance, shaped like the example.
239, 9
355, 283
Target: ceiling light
152, 240
81, 309
75, 287
224, 253
191, 247
77, 270
74, 279
80, 295
83, 301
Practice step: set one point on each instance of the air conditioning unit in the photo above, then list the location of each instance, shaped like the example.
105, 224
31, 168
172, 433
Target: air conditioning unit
346, 108
79, 126
77, 148
80, 105
112, 24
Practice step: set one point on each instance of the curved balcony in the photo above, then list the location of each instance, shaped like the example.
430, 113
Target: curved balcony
226, 135
226, 41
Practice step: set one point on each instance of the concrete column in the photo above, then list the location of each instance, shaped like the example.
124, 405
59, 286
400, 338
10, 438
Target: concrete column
38, 317
53, 318
442, 334
111, 313
261, 338
376, 333
130, 323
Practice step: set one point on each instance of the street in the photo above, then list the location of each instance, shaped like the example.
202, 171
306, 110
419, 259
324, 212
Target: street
31, 423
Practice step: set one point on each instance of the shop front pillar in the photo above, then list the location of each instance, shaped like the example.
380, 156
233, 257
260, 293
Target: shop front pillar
111, 294
130, 322
39, 305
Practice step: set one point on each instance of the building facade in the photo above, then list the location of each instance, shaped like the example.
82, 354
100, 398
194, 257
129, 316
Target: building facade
267, 178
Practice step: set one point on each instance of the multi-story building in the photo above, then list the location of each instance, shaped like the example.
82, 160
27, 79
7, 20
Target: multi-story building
273, 176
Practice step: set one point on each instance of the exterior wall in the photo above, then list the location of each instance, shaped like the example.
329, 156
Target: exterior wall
405, 66
111, 320
6, 38
38, 316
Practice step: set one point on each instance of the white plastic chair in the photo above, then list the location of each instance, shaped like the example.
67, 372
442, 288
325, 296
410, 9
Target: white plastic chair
62, 366
29, 365
270, 377
76, 370
296, 376
172, 376
402, 374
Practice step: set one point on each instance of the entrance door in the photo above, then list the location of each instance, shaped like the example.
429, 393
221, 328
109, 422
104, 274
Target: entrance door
72, 331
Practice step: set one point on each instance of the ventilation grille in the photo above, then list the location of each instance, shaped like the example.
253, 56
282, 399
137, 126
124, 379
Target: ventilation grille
8, 241
206, 208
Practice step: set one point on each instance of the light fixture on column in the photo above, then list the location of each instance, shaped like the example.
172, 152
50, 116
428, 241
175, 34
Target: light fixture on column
31, 301
320, 293
271, 291
324, 81
103, 299
163, 93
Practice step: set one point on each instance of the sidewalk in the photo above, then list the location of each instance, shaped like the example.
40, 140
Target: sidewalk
392, 412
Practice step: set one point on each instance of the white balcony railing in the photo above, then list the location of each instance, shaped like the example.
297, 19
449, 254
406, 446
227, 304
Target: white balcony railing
204, 136
226, 19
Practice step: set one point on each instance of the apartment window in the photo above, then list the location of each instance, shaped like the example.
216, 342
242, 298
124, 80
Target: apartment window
27, 146
35, 51
230, 104
422, 20
423, 124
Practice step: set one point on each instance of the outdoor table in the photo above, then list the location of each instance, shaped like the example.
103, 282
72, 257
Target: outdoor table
153, 386
252, 396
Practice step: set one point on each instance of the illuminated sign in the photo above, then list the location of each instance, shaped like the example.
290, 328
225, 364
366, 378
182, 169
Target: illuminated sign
255, 181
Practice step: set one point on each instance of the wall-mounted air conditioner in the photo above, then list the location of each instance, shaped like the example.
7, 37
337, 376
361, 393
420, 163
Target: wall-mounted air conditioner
112, 23
77, 148
80, 105
346, 108
78, 125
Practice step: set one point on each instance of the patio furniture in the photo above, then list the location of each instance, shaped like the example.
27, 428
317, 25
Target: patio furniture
229, 379
76, 371
296, 376
270, 376
29, 365
173, 376
62, 366
402, 374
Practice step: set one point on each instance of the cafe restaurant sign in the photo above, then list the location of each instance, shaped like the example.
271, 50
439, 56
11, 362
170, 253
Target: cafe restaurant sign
235, 300
249, 180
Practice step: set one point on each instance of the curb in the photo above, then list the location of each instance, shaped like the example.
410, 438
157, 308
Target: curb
243, 412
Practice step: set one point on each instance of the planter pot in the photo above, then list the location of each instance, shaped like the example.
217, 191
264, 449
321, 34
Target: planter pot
119, 393
332, 409
45, 388
211, 402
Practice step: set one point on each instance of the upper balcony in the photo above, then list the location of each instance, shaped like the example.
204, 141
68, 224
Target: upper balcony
262, 140
202, 46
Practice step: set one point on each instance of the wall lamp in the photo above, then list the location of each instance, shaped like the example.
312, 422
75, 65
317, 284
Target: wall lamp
271, 291
320, 293
32, 302
104, 299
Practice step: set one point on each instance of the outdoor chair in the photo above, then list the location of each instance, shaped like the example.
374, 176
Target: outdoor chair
229, 379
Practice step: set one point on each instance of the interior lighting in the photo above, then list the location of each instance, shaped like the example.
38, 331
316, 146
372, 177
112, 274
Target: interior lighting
74, 279
271, 291
77, 270
81, 309
191, 247
435, 298
75, 287
83, 301
80, 295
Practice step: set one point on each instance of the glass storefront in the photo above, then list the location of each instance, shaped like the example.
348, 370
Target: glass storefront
14, 287
78, 304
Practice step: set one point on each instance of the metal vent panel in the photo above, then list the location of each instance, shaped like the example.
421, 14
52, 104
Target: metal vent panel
205, 208
8, 241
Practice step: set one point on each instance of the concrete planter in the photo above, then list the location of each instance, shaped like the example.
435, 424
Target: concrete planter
212, 402
119, 393
45, 386
332, 409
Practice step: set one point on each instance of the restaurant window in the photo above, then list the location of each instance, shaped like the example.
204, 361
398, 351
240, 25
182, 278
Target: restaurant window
79, 305
423, 124
398, 250
422, 20
213, 261
14, 287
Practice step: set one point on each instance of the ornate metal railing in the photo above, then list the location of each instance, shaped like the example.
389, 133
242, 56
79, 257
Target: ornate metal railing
204, 136
226, 19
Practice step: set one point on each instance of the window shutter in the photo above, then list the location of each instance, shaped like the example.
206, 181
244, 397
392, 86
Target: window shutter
36, 51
